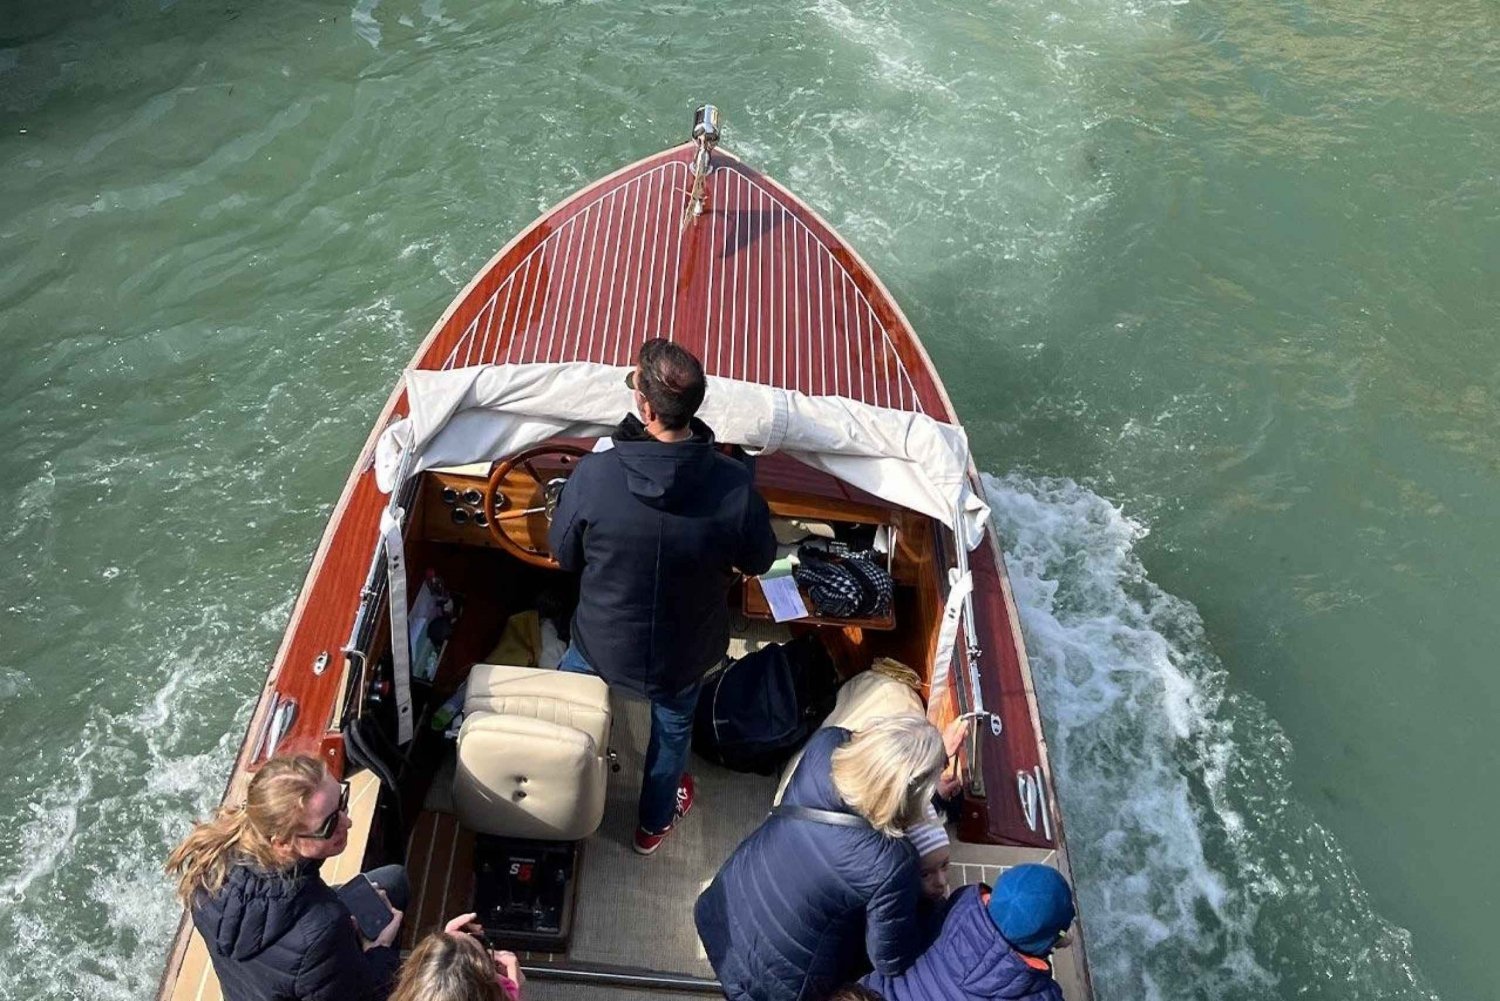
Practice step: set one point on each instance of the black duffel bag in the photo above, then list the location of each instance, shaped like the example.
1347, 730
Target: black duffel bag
757, 711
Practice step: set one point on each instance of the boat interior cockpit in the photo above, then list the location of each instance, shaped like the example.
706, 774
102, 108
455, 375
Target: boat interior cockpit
516, 795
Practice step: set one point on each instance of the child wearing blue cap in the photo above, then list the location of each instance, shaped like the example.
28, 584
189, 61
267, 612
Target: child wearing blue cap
993, 944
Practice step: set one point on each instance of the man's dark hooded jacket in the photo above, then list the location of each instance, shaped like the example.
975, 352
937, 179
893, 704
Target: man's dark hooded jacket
970, 961
801, 906
657, 530
280, 936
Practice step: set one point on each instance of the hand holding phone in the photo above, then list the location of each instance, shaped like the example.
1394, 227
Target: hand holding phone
373, 915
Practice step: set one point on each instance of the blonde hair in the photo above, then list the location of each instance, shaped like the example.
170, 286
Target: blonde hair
272, 811
888, 771
897, 671
446, 967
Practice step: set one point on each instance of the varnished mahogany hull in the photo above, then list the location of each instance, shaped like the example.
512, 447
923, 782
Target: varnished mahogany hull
761, 289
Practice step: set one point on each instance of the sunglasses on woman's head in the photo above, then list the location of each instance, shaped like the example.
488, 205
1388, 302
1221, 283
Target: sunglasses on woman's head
331, 822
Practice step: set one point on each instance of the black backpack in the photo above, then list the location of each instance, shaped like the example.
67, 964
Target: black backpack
757, 711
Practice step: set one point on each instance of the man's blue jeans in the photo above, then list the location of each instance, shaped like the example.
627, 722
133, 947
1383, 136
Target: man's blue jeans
666, 752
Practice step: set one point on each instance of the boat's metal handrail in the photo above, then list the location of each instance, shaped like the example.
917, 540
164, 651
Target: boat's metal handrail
366, 617
971, 636
357, 646
970, 684
622, 976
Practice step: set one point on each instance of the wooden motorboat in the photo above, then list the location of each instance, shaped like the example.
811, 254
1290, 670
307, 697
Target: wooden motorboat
694, 245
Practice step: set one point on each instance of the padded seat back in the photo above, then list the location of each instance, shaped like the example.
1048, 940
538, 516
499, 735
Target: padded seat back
532, 753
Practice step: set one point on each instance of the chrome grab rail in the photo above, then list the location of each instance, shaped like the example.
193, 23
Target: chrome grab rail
968, 688
361, 633
622, 976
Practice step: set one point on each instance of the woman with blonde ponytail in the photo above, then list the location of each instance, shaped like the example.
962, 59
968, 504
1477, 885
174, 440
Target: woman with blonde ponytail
274, 930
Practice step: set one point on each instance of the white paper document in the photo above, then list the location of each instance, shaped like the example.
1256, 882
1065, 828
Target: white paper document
783, 597
424, 652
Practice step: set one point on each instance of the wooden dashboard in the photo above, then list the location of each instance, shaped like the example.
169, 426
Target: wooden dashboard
450, 508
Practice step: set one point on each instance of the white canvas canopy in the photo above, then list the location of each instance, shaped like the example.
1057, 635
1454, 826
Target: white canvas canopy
482, 413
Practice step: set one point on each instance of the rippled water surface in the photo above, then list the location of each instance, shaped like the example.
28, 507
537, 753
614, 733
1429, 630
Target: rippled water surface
1213, 284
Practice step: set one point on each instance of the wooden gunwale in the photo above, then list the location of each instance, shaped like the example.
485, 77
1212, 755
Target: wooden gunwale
323, 614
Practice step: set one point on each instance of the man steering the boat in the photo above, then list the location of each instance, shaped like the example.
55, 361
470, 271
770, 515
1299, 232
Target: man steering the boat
657, 527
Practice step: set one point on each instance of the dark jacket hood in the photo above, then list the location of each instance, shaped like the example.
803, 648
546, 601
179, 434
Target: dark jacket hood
661, 473
257, 908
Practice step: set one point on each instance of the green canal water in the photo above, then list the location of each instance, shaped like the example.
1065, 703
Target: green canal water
1213, 282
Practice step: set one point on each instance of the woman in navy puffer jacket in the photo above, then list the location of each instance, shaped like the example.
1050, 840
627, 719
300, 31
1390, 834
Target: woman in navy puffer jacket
810, 900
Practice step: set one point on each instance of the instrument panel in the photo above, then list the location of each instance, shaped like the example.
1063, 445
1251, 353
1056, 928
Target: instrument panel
452, 509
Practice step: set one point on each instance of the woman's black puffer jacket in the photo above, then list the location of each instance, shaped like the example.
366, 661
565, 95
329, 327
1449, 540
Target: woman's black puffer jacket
279, 936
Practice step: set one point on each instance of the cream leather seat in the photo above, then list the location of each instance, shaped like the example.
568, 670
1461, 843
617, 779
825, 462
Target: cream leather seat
532, 753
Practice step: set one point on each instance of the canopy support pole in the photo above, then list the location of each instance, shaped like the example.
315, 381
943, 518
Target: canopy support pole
395, 557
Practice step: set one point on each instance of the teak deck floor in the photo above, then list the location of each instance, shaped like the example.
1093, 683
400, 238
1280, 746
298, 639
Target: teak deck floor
632, 911
637, 912
440, 864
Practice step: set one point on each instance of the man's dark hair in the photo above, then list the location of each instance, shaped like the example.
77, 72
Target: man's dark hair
672, 381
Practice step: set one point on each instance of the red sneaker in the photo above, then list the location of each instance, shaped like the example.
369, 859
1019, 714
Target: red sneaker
646, 842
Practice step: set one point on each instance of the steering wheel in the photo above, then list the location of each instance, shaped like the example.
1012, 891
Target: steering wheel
520, 496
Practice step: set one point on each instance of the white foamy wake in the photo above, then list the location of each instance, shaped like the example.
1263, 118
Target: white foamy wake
1199, 875
85, 909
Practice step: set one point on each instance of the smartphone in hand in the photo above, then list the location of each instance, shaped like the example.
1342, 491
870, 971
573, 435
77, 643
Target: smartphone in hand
370, 912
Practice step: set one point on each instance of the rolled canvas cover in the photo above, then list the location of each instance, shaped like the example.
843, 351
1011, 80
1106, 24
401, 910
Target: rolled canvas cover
481, 413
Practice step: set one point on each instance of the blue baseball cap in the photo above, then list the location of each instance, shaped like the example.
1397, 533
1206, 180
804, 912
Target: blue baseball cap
1032, 905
